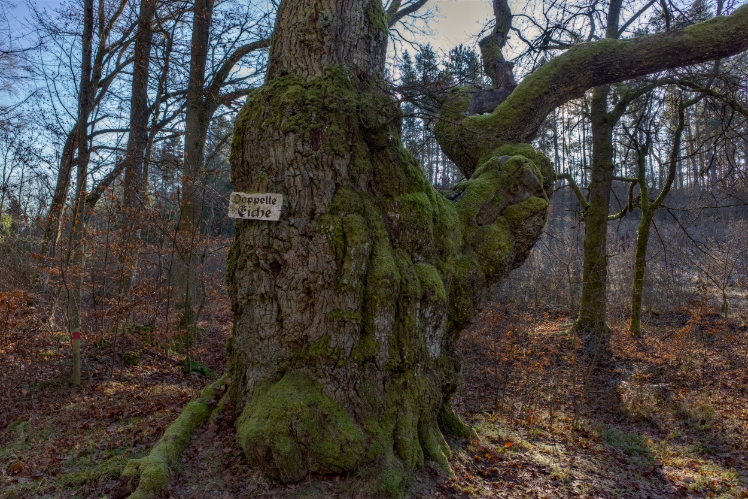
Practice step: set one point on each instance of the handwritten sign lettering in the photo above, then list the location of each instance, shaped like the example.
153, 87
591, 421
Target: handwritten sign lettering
255, 206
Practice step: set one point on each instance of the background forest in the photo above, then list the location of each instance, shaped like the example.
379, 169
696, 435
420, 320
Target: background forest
116, 122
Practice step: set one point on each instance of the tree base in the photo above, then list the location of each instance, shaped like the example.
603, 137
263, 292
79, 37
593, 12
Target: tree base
595, 340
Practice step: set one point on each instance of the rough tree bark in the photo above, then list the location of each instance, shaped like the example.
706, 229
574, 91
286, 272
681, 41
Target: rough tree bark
135, 153
347, 310
593, 302
498, 69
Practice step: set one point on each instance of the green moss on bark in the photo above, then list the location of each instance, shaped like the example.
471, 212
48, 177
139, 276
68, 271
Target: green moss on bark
451, 423
517, 214
291, 428
410, 269
431, 282
377, 16
434, 444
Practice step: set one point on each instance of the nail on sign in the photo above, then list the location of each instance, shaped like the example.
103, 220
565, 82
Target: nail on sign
255, 206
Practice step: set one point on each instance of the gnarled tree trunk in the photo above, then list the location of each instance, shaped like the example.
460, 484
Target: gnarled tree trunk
347, 310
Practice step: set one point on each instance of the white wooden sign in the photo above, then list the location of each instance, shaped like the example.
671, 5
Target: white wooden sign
255, 206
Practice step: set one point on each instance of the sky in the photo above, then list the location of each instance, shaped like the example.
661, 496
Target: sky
458, 21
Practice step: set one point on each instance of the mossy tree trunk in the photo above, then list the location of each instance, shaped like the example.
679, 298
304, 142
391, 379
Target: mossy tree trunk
347, 311
640, 259
642, 238
591, 321
649, 208
593, 303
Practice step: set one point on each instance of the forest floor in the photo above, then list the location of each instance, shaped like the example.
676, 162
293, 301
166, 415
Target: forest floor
665, 416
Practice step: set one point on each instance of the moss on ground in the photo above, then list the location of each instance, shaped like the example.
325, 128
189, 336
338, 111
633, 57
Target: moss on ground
110, 467
148, 476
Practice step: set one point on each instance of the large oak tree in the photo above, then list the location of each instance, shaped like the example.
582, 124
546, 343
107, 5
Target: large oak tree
348, 309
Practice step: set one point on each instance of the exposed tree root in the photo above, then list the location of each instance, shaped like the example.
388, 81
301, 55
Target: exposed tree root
148, 477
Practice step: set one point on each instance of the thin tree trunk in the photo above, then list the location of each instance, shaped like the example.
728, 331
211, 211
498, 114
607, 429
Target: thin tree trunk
134, 198
201, 104
593, 304
642, 239
53, 226
640, 266
648, 211
191, 199
92, 68
699, 164
76, 250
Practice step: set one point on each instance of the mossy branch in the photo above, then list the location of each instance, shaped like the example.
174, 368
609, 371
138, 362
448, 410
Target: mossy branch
633, 201
151, 473
582, 67
592, 64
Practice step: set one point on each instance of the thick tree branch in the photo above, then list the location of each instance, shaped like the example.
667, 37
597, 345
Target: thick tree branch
591, 64
229, 97
491, 47
630, 96
632, 180
466, 139
98, 191
574, 187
